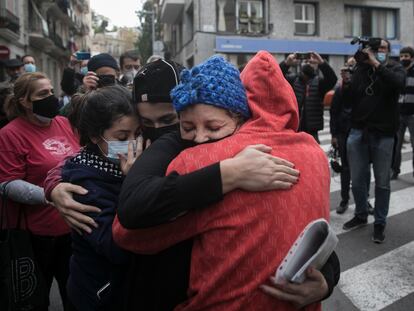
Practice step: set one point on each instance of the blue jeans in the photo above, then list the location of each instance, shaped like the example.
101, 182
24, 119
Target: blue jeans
376, 149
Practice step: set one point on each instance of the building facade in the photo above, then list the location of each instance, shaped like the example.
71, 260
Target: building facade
49, 30
194, 30
115, 43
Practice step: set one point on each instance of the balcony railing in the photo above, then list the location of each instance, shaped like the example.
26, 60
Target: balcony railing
63, 6
9, 20
57, 40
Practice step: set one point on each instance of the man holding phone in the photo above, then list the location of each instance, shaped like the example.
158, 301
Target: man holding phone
75, 71
310, 88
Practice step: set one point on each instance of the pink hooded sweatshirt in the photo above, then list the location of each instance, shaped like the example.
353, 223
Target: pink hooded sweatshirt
239, 242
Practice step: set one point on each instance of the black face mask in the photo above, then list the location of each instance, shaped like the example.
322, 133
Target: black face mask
153, 133
308, 71
47, 107
405, 62
106, 80
191, 143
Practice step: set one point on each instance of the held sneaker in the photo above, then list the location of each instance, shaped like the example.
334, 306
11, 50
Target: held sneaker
354, 223
342, 207
378, 236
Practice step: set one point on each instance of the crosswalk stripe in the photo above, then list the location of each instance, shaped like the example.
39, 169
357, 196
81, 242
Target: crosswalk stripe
380, 282
400, 202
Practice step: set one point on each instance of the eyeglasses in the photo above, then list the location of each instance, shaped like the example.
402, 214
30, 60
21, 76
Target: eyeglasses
129, 67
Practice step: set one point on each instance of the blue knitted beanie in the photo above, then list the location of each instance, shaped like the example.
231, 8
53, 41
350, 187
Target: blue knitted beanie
214, 82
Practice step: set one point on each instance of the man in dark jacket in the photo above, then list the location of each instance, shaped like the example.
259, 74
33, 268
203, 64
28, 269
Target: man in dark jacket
310, 88
373, 93
340, 123
406, 102
73, 75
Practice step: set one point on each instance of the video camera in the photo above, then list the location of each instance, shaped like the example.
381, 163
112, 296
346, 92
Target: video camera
364, 42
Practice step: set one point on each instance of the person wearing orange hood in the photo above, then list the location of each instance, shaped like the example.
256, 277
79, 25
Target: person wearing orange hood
239, 242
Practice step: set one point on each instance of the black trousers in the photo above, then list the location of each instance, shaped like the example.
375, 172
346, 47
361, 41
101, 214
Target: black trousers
346, 173
53, 255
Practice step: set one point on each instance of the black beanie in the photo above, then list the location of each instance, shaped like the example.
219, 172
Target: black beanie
155, 80
102, 60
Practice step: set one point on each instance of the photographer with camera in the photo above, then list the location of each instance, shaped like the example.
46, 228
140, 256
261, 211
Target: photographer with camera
309, 88
373, 95
406, 102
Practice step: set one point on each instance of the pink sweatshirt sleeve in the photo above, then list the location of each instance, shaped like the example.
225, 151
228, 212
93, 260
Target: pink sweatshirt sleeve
54, 177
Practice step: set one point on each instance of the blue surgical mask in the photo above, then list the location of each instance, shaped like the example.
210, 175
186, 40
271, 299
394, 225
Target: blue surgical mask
84, 70
29, 68
116, 147
381, 57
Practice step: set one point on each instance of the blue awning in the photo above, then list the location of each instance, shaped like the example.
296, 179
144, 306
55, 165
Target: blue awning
253, 45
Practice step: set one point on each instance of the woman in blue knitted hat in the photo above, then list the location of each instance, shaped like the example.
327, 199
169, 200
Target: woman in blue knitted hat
211, 100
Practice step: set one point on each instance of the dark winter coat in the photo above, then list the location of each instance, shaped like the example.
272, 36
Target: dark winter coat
373, 96
310, 94
407, 95
98, 266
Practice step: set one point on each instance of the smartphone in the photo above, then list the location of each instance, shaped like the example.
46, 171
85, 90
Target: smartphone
302, 56
83, 55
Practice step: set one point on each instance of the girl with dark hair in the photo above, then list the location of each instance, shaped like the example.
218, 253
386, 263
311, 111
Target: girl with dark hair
35, 141
108, 127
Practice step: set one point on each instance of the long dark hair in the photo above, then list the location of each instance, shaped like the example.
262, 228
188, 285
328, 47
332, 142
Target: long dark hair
99, 109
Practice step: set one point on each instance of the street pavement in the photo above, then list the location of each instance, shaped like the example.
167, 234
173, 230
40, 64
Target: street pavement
374, 277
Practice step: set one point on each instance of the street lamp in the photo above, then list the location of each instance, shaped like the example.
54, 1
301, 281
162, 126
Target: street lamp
152, 13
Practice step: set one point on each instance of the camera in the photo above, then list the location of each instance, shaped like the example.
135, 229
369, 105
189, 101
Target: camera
335, 160
364, 42
302, 56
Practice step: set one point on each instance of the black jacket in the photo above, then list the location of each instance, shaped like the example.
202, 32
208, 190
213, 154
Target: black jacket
310, 95
373, 96
340, 120
96, 260
407, 95
71, 81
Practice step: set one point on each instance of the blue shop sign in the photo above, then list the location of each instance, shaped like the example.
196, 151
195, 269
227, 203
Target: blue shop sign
252, 45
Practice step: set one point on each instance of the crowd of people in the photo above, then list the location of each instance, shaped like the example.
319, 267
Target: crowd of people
157, 187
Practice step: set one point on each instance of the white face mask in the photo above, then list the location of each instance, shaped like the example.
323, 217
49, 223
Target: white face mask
130, 75
43, 119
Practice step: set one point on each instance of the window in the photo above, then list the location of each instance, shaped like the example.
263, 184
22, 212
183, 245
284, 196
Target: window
241, 16
305, 19
250, 17
370, 22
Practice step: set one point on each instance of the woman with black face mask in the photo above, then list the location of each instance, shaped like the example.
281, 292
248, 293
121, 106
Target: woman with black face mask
33, 142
